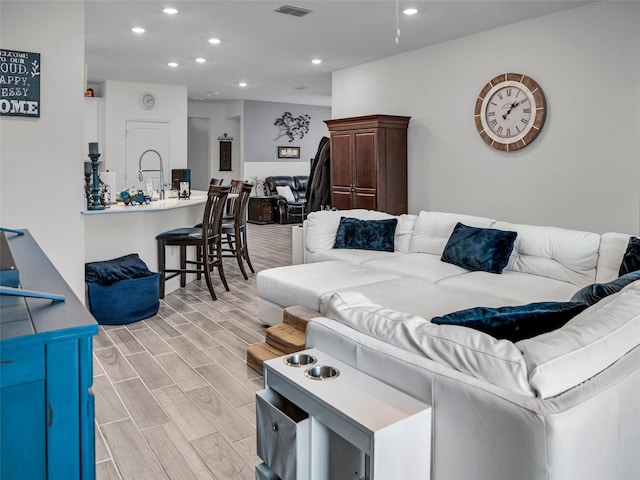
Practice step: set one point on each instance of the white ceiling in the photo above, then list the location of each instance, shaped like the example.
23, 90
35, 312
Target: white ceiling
270, 51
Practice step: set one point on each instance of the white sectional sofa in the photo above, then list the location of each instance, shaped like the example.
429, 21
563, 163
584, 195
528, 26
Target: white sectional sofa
563, 405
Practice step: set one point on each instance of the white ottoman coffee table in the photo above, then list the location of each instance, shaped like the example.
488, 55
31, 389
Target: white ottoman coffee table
305, 284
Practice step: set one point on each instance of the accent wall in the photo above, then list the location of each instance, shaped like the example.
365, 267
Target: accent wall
260, 140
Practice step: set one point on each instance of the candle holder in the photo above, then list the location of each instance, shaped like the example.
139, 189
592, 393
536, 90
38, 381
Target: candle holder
94, 202
88, 171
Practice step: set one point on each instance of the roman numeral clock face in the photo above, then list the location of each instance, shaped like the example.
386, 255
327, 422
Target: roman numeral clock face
510, 111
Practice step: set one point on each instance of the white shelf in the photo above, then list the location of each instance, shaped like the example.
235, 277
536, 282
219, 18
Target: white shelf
390, 427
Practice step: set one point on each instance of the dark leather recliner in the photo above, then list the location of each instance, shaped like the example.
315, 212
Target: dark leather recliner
288, 211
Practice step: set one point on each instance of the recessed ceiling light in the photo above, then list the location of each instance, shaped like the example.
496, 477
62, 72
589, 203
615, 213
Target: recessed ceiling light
170, 11
172, 64
138, 30
214, 41
212, 93
410, 11
316, 61
242, 84
201, 60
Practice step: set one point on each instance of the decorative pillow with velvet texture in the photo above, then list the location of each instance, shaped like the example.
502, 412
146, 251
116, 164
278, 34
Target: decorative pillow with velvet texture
515, 323
286, 192
473, 248
366, 234
631, 258
592, 294
110, 271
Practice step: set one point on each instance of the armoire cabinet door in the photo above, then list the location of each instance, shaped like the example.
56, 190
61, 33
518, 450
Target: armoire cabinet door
365, 159
365, 173
341, 159
369, 163
341, 198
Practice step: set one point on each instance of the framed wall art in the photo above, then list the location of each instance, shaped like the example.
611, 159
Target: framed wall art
20, 79
225, 152
288, 152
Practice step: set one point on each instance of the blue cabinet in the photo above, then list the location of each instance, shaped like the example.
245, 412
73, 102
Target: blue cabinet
46, 405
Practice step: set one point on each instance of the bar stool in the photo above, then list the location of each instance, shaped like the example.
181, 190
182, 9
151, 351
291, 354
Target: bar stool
228, 215
236, 188
236, 230
206, 240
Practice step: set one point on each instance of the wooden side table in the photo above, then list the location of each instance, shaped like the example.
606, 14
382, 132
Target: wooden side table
261, 210
350, 426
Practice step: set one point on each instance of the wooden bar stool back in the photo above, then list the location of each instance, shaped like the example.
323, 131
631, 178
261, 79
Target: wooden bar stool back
206, 240
236, 188
236, 230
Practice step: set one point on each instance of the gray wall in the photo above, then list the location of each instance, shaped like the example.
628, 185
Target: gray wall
582, 172
260, 131
254, 151
41, 160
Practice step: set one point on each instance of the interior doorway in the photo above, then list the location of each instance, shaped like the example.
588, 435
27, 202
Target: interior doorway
142, 136
198, 152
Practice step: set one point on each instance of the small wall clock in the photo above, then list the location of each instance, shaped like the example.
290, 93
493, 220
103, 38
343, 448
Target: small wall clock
147, 101
510, 111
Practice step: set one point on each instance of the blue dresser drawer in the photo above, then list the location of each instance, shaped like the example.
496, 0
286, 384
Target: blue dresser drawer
21, 365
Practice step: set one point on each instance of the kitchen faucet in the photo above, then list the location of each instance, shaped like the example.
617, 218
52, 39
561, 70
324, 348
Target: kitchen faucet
161, 170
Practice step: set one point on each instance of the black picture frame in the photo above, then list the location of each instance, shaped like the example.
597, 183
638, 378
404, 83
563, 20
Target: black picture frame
225, 156
288, 152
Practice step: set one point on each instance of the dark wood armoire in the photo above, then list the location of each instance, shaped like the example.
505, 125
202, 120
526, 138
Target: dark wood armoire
369, 163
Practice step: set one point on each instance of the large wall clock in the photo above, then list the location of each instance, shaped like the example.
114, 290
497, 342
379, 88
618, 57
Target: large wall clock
510, 111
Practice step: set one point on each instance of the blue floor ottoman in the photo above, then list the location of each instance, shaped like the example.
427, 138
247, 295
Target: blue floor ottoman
122, 290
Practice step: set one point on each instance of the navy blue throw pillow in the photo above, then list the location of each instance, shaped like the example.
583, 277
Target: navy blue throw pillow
631, 259
366, 234
485, 249
515, 323
111, 271
594, 293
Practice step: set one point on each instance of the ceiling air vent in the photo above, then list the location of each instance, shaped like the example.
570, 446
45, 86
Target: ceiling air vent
293, 10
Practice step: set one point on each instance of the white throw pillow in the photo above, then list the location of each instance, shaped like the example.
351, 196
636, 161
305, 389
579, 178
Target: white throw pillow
286, 192
464, 349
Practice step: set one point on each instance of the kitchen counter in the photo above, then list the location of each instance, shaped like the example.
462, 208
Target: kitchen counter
121, 230
197, 198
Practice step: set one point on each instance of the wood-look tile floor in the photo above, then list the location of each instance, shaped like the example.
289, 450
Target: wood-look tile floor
174, 397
